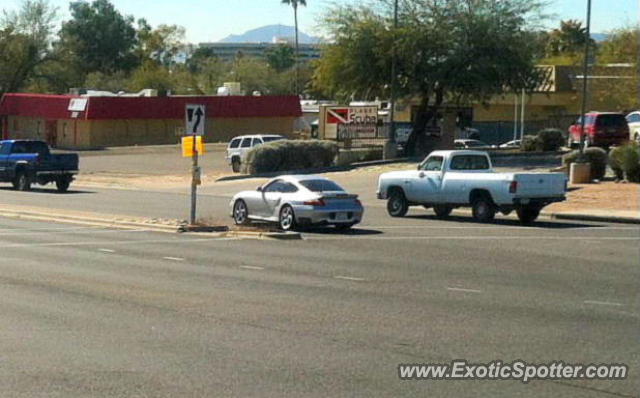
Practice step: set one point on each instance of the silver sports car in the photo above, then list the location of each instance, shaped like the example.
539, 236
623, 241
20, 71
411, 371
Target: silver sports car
298, 200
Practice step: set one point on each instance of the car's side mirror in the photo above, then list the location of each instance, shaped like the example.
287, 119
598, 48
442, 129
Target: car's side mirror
259, 189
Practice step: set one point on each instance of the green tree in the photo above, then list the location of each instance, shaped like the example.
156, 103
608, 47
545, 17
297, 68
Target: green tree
294, 4
567, 40
281, 57
102, 38
162, 44
455, 50
25, 44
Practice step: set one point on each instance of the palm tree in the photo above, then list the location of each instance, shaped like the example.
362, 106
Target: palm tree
294, 4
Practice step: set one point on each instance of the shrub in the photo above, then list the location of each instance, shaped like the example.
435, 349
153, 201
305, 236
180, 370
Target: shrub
594, 155
625, 162
551, 139
530, 143
290, 155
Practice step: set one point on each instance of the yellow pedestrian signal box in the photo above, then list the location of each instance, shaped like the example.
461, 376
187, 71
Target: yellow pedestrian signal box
187, 146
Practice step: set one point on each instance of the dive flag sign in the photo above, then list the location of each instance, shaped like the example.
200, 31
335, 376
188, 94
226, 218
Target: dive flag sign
195, 118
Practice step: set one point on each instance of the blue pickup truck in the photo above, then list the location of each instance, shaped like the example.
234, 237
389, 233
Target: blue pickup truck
26, 162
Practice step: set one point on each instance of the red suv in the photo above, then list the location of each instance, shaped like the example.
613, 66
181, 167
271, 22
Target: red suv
602, 129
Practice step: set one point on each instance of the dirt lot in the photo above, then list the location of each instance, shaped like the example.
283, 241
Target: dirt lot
603, 196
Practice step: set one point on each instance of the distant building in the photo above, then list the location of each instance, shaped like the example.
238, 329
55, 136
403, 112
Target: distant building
229, 51
69, 121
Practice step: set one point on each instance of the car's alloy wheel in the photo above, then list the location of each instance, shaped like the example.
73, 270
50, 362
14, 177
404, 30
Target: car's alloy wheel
287, 218
397, 205
240, 212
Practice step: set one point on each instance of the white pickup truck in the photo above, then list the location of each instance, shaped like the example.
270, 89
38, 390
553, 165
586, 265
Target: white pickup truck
449, 179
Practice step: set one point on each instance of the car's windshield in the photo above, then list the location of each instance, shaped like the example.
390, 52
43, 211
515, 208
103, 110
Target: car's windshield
321, 185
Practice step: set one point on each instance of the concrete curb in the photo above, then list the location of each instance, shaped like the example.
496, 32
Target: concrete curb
588, 217
82, 220
319, 170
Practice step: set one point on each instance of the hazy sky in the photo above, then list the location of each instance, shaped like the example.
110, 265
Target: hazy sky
211, 20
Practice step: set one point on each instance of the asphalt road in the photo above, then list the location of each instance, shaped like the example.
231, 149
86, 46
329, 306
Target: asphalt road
98, 312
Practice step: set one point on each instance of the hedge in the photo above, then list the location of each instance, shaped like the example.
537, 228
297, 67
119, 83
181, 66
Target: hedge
625, 162
545, 140
596, 156
289, 155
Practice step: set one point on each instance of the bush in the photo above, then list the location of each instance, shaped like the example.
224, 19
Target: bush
625, 162
530, 143
544, 140
289, 155
594, 155
551, 139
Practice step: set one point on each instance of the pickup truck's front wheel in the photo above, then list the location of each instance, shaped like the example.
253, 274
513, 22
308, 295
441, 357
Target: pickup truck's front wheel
528, 214
483, 209
22, 182
397, 205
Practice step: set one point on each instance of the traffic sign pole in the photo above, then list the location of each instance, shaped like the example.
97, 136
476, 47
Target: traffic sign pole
195, 120
194, 182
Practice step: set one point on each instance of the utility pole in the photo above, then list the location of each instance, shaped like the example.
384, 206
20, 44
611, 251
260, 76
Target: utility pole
391, 146
585, 79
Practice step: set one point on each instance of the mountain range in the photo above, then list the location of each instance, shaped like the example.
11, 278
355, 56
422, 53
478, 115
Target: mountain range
265, 34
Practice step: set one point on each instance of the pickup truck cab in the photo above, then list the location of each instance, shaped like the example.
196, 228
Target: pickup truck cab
25, 162
450, 179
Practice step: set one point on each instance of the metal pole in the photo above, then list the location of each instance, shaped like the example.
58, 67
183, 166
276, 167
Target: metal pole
394, 60
194, 185
515, 117
522, 115
585, 78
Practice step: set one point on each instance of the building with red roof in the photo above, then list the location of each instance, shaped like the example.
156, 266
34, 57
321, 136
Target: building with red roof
68, 121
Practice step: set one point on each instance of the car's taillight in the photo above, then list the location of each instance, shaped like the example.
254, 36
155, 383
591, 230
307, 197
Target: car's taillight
513, 187
317, 202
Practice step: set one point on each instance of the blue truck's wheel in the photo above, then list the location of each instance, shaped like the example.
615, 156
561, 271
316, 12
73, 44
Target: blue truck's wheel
22, 182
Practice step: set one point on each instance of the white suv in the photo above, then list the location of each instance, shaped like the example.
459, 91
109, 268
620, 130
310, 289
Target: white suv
633, 120
240, 146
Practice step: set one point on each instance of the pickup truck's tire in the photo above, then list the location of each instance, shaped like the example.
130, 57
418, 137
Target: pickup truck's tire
442, 211
22, 181
62, 183
483, 209
235, 165
397, 205
528, 214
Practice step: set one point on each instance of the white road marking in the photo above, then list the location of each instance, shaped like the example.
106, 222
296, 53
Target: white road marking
173, 258
609, 303
460, 289
349, 278
499, 227
123, 242
484, 237
251, 267
106, 250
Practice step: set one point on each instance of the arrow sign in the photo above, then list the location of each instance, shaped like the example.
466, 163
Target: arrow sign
195, 119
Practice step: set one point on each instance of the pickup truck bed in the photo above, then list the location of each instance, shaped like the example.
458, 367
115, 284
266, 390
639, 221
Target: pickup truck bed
451, 179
